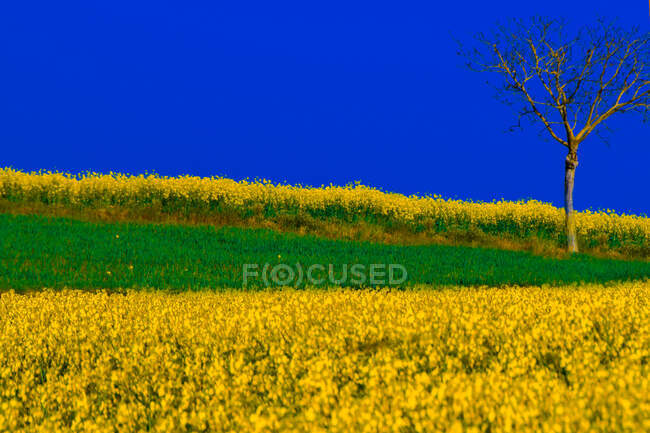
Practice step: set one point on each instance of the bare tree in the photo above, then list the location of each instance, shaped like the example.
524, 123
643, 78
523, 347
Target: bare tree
569, 84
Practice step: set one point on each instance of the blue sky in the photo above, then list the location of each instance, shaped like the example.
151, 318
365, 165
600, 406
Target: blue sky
303, 92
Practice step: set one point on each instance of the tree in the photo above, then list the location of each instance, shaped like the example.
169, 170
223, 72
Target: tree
569, 85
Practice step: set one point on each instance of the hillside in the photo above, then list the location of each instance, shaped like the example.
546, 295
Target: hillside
37, 252
352, 212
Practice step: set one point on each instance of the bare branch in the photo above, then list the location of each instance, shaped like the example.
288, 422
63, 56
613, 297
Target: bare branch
570, 85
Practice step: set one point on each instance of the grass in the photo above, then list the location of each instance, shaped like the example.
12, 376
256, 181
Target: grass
351, 212
54, 252
372, 230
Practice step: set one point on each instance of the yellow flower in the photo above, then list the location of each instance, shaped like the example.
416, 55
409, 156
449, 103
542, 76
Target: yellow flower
523, 359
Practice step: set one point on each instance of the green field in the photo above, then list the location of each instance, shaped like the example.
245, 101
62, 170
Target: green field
37, 252
352, 212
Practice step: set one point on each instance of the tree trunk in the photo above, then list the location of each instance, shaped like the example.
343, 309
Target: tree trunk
569, 177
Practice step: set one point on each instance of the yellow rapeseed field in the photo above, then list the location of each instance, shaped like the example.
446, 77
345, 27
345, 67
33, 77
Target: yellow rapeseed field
474, 360
190, 192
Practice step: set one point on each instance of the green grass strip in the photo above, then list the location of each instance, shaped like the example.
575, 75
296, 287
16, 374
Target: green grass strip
38, 252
